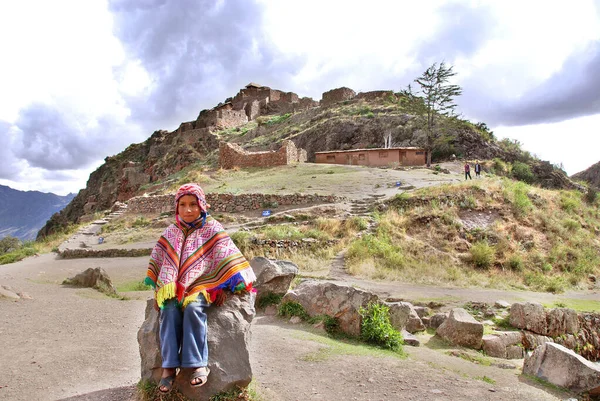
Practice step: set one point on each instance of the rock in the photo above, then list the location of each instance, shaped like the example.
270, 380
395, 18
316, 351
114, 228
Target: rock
422, 311
24, 295
7, 292
436, 320
531, 340
403, 316
270, 310
502, 345
563, 367
295, 320
529, 316
94, 278
410, 339
272, 276
340, 302
501, 304
462, 329
561, 321
228, 343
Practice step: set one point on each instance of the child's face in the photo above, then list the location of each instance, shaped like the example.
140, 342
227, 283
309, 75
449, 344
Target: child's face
188, 208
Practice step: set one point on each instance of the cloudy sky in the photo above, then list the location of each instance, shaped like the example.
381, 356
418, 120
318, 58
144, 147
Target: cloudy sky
81, 80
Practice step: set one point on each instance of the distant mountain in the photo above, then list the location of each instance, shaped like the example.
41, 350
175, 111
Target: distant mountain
23, 213
591, 175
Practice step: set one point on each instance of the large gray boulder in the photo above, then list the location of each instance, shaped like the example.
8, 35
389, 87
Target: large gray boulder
228, 341
561, 321
272, 276
462, 329
403, 316
528, 316
506, 344
341, 302
563, 367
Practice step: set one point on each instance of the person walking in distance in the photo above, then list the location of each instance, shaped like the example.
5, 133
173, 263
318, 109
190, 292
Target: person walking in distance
477, 169
467, 171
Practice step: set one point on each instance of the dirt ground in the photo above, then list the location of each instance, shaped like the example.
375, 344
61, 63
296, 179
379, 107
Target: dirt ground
77, 344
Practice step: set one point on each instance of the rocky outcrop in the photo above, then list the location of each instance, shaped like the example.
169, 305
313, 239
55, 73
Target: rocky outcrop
462, 329
591, 175
340, 302
92, 278
228, 341
562, 367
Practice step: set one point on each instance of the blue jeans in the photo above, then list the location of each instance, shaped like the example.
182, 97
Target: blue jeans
183, 334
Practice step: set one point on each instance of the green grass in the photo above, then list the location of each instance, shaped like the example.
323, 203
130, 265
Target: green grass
579, 305
344, 346
268, 299
131, 286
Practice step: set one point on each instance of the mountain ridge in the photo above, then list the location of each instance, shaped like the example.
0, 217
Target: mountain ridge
23, 213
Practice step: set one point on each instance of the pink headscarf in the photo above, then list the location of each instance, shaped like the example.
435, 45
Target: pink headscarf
191, 189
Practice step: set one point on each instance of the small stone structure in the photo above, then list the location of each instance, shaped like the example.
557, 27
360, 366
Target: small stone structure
337, 95
226, 202
408, 156
232, 155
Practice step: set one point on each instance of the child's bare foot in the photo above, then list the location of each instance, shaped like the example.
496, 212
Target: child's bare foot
167, 379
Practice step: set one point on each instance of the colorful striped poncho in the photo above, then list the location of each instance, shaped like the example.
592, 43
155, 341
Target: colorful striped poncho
187, 262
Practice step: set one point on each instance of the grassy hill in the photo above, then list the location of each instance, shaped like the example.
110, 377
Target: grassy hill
494, 232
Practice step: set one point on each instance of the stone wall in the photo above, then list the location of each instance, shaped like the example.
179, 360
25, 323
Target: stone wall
232, 155
337, 95
224, 116
227, 202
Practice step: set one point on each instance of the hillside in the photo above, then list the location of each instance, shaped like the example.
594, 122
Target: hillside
259, 118
591, 175
23, 213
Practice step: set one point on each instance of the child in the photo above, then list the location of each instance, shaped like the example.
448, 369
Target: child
190, 266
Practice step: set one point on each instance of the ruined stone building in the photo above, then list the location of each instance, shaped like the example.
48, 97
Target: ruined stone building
232, 155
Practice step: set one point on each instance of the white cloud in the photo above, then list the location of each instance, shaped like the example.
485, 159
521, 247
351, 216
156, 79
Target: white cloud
574, 143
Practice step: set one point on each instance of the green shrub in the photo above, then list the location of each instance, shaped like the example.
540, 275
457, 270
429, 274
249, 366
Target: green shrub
569, 201
290, 308
591, 195
9, 244
522, 172
268, 299
377, 329
499, 167
140, 222
483, 255
515, 263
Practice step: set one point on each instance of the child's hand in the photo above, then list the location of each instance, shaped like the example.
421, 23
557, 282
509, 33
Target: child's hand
220, 299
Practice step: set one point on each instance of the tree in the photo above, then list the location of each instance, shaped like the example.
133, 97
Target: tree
438, 99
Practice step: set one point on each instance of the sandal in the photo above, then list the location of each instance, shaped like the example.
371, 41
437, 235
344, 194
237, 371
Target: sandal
200, 373
167, 383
